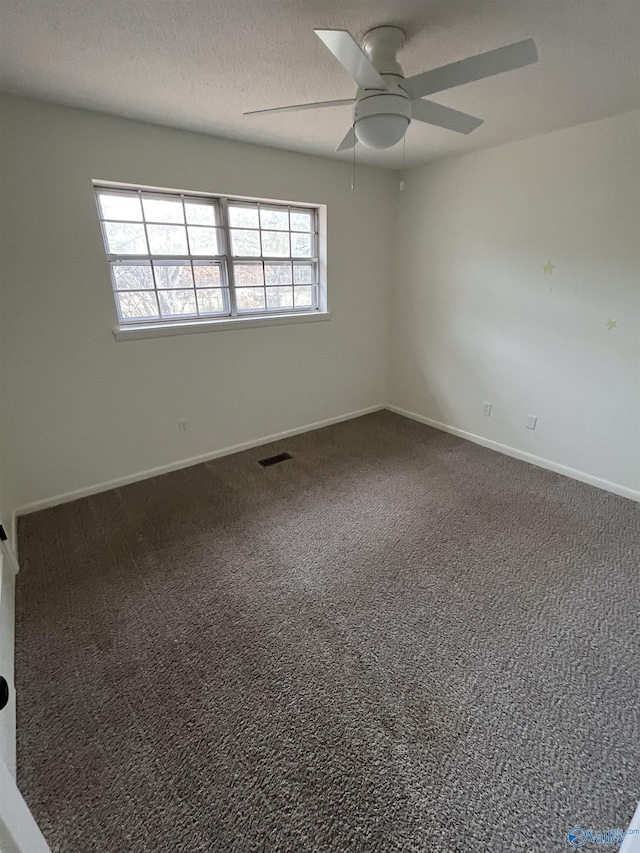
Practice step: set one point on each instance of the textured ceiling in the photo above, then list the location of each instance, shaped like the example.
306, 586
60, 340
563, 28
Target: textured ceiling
199, 64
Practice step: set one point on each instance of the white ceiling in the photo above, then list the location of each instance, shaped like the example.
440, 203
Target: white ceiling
199, 64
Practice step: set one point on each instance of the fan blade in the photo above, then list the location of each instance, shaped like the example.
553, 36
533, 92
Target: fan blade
318, 105
349, 141
351, 57
474, 68
441, 116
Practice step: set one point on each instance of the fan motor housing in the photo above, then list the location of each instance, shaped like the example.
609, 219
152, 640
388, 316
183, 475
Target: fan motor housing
381, 117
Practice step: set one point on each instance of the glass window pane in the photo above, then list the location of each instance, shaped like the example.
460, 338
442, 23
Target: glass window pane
301, 246
173, 275
305, 297
243, 217
276, 220
303, 273
125, 239
211, 302
132, 276
277, 273
204, 241
301, 220
275, 243
200, 213
114, 206
245, 243
279, 297
177, 303
248, 274
138, 306
207, 275
162, 210
167, 239
250, 298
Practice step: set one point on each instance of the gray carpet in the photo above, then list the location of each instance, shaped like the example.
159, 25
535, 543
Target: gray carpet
395, 641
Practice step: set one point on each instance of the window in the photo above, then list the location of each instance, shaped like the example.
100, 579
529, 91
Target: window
181, 258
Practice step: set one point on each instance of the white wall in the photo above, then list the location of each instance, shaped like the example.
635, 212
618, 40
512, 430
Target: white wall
475, 318
80, 408
8, 569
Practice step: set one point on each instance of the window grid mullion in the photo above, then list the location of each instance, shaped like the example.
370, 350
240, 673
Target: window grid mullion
231, 280
269, 259
264, 280
193, 278
153, 272
129, 258
186, 230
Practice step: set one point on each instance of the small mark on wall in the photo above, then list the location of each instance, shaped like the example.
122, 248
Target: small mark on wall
548, 268
611, 324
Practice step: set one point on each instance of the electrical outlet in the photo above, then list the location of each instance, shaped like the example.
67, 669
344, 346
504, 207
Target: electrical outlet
183, 426
401, 186
532, 420
486, 410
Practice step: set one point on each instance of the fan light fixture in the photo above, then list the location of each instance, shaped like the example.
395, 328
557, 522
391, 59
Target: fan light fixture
381, 131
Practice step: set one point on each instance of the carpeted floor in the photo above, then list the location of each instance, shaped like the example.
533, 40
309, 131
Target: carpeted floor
395, 641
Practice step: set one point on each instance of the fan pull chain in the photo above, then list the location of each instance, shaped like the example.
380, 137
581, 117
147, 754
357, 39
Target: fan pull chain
404, 151
353, 170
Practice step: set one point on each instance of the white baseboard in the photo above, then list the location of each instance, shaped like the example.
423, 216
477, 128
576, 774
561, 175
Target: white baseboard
66, 497
540, 461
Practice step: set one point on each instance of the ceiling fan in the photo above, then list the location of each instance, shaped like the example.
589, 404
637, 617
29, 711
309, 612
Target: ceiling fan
386, 101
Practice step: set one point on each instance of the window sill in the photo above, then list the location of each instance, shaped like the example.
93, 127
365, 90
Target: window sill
129, 333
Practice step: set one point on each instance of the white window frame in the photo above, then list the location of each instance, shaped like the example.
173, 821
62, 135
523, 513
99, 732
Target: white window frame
232, 318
